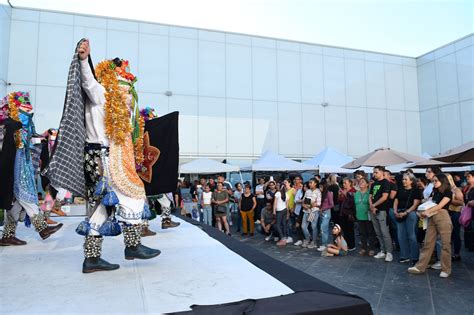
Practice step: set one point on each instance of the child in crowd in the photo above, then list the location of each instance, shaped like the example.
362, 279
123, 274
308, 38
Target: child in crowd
339, 247
268, 220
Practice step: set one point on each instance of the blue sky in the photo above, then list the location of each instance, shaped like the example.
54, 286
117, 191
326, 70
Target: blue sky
403, 27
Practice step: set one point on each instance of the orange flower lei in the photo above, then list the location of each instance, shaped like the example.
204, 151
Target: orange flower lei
117, 120
15, 115
138, 146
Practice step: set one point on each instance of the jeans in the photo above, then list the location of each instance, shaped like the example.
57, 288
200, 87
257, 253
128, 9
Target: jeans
260, 206
406, 232
379, 220
299, 231
281, 225
207, 214
325, 218
456, 235
239, 219
393, 227
228, 213
314, 226
291, 225
201, 213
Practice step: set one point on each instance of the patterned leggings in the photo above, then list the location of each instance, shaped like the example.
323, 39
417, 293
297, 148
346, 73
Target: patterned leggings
93, 154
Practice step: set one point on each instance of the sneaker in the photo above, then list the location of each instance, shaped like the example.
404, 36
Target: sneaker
389, 257
312, 245
443, 274
305, 244
298, 243
268, 238
289, 240
436, 266
415, 271
321, 248
380, 255
275, 239
351, 249
362, 252
281, 242
404, 260
257, 222
371, 253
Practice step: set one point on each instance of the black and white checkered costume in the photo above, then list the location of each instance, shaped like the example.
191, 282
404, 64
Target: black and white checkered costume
66, 167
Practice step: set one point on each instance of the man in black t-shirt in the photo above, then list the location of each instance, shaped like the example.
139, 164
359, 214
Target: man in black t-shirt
379, 205
391, 198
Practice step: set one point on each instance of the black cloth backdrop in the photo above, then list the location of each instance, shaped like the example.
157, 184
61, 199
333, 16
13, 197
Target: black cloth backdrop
312, 296
163, 132
7, 163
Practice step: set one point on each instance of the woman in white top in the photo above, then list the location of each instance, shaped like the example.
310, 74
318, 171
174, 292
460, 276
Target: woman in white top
206, 204
279, 209
311, 204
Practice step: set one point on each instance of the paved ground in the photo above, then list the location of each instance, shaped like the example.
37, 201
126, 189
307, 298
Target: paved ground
386, 286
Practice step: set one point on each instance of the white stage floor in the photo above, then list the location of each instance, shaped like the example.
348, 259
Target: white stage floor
193, 268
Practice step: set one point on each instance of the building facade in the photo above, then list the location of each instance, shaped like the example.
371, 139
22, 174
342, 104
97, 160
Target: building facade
239, 95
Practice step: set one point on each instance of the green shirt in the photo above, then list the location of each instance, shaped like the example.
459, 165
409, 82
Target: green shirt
362, 205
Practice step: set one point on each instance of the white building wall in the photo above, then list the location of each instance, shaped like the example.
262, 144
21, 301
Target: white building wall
238, 95
5, 21
446, 95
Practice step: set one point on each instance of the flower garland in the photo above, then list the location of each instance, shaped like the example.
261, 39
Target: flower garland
138, 146
13, 104
117, 119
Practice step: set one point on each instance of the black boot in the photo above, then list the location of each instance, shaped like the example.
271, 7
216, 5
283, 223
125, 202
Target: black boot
8, 237
92, 261
94, 264
133, 247
140, 252
167, 223
40, 224
47, 232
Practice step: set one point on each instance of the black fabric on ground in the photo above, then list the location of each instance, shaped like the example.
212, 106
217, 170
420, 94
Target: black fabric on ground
163, 132
312, 296
7, 163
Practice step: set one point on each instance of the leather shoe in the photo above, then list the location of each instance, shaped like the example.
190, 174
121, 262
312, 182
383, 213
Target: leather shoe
169, 224
13, 241
94, 264
47, 232
147, 232
140, 252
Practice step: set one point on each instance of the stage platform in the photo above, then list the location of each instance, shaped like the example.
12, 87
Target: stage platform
199, 269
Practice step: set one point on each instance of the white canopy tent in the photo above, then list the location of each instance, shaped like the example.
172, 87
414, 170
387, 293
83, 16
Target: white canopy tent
270, 161
329, 160
207, 166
